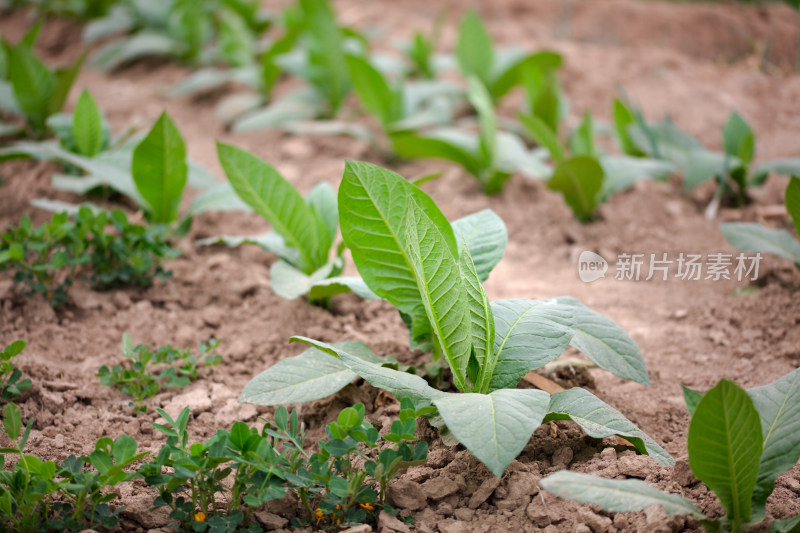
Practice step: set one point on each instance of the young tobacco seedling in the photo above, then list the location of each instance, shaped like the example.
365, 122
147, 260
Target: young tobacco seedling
36, 92
491, 155
499, 72
304, 229
191, 31
400, 107
731, 169
407, 253
177, 369
739, 443
10, 384
583, 175
755, 238
37, 496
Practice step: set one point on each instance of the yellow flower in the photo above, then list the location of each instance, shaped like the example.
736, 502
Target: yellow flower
367, 506
319, 514
200, 516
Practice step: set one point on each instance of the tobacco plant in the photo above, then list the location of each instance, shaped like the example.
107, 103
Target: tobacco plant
740, 442
499, 72
491, 155
38, 495
732, 169
29, 88
304, 229
140, 380
401, 106
191, 31
320, 45
10, 384
755, 238
407, 253
585, 176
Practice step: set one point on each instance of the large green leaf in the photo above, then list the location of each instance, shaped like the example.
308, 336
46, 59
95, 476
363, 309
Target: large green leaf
755, 238
793, 202
87, 126
474, 48
494, 427
481, 319
614, 495
159, 169
374, 91
441, 287
310, 376
605, 343
528, 334
600, 420
33, 84
778, 405
401, 384
579, 179
725, 444
373, 203
274, 198
485, 236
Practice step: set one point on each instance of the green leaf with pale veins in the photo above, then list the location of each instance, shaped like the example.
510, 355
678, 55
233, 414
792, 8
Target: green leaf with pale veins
160, 171
401, 384
274, 198
725, 445
481, 320
605, 343
310, 376
600, 420
442, 290
778, 405
528, 335
614, 495
494, 427
372, 211
87, 126
485, 236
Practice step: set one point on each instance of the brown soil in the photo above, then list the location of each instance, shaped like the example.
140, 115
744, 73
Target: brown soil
695, 62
